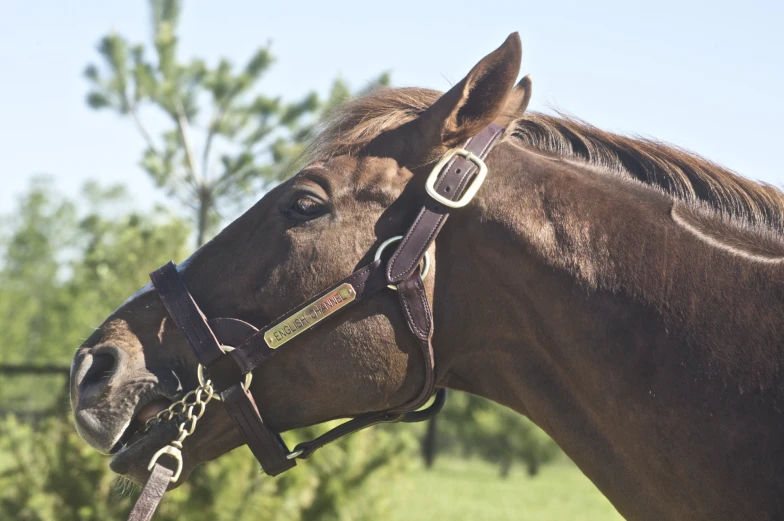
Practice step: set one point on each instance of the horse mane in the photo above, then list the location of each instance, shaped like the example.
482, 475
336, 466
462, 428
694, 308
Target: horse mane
678, 172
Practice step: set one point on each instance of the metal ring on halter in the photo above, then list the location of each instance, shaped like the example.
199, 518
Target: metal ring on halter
174, 452
296, 453
203, 381
425, 260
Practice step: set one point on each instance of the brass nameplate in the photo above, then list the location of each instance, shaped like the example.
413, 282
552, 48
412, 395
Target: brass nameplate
309, 315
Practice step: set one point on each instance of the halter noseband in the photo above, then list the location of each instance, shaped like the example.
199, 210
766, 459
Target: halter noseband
452, 184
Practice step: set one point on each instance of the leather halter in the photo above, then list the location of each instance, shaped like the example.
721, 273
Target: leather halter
450, 185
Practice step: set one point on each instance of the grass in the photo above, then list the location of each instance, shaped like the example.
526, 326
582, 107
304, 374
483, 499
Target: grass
469, 490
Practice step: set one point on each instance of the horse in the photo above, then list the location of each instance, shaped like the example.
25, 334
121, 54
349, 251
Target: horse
625, 295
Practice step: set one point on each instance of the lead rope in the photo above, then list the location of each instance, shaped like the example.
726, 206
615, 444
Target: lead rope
192, 406
200, 397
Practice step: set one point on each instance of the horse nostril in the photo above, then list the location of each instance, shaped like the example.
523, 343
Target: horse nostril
101, 369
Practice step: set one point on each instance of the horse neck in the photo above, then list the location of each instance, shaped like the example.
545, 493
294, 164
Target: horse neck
573, 297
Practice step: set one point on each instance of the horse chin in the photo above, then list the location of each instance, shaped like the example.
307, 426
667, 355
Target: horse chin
131, 461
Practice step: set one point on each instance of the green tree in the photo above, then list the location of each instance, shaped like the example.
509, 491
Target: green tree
248, 140
48, 474
38, 234
62, 273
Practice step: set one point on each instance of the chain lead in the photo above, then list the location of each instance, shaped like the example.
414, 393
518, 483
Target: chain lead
192, 405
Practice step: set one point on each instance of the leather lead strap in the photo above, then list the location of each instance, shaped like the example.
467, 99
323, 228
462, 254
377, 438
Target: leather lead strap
450, 184
151, 494
353, 425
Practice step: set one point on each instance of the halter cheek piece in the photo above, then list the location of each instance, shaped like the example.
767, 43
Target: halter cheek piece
452, 184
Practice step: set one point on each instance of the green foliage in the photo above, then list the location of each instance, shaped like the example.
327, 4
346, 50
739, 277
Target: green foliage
48, 474
256, 137
63, 272
473, 426
42, 228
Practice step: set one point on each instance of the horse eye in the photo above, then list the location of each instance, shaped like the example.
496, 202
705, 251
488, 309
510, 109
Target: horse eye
307, 205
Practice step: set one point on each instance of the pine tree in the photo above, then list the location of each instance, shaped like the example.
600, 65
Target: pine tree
247, 141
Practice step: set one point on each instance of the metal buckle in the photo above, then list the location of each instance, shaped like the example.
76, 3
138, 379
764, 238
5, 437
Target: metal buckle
470, 191
203, 381
392, 240
174, 452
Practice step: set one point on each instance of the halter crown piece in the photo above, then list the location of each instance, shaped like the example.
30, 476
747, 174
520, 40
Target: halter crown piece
229, 349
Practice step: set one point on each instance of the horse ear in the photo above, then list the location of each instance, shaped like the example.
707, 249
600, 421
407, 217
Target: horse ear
476, 101
524, 90
517, 103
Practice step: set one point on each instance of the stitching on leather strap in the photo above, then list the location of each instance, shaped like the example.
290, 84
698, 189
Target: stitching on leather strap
411, 320
426, 306
408, 236
260, 358
424, 247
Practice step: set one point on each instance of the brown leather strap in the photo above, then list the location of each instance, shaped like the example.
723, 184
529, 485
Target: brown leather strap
307, 448
419, 318
450, 184
186, 314
268, 447
367, 281
224, 372
416, 309
152, 493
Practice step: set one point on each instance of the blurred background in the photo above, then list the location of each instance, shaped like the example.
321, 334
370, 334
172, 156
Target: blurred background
134, 131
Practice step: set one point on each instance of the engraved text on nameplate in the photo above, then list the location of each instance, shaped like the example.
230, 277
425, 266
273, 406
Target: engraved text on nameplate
309, 315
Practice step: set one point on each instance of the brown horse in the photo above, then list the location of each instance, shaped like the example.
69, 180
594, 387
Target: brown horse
625, 295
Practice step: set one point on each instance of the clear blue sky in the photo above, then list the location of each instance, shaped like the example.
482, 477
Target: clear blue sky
707, 76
